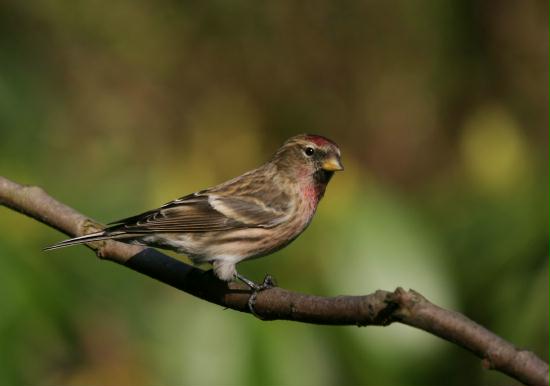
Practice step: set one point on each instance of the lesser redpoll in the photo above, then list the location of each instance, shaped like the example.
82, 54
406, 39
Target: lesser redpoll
249, 216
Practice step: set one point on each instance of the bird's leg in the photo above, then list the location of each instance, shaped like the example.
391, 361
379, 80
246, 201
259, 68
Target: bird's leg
256, 288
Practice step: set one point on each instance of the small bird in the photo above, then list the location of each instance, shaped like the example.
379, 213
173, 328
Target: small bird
249, 216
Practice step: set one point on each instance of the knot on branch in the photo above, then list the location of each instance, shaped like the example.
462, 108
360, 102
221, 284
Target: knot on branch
403, 304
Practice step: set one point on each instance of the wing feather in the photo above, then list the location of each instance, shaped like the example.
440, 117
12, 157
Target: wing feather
203, 212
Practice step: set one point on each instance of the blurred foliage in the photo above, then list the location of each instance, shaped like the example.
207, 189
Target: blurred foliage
441, 111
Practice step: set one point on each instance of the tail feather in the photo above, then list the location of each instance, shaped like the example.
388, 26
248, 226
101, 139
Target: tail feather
102, 235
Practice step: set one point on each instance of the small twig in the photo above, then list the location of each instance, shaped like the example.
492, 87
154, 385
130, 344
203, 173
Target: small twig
379, 308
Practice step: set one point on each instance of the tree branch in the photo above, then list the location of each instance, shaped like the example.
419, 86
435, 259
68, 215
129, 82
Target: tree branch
380, 308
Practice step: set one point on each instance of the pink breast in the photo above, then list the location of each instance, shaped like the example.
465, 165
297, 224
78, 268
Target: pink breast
311, 198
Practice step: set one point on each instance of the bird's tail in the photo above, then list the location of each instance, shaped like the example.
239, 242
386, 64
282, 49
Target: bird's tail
97, 236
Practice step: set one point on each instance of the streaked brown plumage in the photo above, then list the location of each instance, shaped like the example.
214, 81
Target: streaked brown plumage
249, 216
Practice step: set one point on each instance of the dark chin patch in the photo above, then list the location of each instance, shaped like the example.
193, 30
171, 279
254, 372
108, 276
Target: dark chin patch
322, 176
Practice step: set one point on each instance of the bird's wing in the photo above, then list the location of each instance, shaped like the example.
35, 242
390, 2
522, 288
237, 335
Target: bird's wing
203, 212
250, 210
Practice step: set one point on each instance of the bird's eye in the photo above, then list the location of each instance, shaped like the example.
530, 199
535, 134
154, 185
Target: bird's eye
309, 151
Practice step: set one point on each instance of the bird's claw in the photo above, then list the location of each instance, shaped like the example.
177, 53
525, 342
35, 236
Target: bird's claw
268, 283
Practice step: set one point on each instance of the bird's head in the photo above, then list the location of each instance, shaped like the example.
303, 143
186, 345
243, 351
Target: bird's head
309, 155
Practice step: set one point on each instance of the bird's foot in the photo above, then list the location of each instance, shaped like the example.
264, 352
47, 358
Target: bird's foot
268, 283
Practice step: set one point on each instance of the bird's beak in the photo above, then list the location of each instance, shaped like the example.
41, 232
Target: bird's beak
332, 164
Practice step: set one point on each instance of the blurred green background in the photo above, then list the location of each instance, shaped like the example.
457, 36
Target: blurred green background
440, 109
